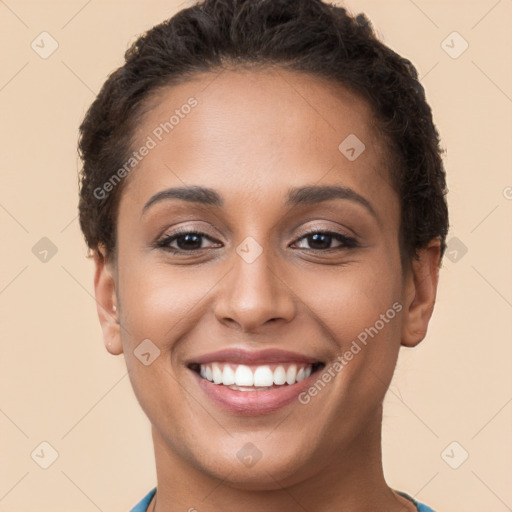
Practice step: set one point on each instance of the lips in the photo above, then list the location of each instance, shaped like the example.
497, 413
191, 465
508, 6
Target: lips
242, 356
274, 383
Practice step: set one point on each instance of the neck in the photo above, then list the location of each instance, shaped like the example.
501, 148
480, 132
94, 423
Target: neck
351, 480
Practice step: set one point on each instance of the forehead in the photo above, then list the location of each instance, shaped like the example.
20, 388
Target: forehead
254, 133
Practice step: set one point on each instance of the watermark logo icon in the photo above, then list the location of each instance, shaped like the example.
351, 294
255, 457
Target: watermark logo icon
146, 352
455, 249
351, 147
249, 250
44, 455
44, 45
249, 455
44, 250
454, 45
454, 455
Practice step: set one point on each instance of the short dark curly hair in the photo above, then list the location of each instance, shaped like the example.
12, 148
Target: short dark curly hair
308, 36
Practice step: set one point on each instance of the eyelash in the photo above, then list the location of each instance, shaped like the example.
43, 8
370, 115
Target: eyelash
164, 243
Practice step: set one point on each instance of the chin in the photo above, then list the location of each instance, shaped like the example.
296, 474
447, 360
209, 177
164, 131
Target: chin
250, 469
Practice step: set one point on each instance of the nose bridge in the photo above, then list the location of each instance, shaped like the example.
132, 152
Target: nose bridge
254, 293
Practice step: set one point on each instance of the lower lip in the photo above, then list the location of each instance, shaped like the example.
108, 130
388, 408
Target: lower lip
253, 403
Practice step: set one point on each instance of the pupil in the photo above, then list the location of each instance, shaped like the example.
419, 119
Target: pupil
314, 239
188, 244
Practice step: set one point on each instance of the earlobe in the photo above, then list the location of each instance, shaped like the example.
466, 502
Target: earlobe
420, 294
106, 302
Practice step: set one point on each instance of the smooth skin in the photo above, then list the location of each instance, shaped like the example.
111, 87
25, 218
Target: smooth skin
254, 135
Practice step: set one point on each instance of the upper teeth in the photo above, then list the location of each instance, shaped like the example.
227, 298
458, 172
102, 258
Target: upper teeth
242, 375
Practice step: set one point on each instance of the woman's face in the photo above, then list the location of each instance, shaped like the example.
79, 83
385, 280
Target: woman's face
279, 264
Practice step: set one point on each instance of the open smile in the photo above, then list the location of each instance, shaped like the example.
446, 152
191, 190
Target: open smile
253, 389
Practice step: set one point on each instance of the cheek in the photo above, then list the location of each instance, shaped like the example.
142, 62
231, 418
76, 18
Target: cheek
159, 301
360, 309
160, 304
352, 299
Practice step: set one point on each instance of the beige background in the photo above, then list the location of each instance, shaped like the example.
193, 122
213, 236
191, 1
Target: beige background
60, 385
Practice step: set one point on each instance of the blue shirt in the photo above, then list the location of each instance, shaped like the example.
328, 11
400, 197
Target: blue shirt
143, 504
420, 506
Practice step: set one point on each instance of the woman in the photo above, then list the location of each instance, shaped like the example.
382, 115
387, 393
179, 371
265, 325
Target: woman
263, 195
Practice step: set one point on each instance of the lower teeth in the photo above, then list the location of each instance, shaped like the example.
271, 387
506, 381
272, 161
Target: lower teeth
250, 388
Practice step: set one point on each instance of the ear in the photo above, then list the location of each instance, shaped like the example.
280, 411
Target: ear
420, 293
106, 302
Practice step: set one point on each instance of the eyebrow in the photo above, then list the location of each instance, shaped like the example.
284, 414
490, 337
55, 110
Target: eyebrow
192, 193
317, 194
296, 196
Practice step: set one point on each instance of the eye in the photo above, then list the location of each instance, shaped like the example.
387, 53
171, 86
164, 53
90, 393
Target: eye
322, 240
191, 241
186, 241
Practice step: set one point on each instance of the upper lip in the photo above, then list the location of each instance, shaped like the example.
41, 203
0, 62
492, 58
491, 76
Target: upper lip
243, 356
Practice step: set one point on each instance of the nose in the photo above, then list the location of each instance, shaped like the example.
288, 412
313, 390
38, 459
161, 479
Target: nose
254, 295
